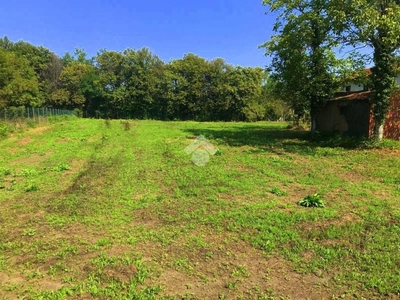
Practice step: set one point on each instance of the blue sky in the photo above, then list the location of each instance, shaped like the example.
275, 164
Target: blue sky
230, 29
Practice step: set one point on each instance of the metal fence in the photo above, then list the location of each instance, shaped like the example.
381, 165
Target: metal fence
35, 113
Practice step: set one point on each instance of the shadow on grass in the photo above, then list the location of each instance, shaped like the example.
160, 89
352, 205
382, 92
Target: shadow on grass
274, 139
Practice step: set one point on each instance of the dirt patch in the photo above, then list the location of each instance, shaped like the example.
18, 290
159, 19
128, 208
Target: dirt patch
11, 279
351, 176
24, 141
76, 165
226, 266
49, 285
13, 150
120, 273
325, 223
33, 159
287, 283
63, 140
38, 130
387, 152
145, 217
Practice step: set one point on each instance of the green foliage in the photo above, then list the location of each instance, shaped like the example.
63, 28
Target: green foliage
31, 123
62, 167
278, 192
375, 24
32, 187
3, 130
314, 200
4, 171
133, 84
126, 125
72, 87
303, 63
18, 82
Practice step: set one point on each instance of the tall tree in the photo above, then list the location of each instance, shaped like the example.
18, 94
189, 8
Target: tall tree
303, 61
143, 72
244, 91
46, 65
216, 90
75, 86
18, 82
190, 86
112, 82
373, 23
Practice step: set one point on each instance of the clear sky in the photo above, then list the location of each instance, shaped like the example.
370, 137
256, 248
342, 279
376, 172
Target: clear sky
230, 29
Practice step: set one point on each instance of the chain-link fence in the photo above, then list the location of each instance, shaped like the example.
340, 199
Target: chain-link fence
34, 113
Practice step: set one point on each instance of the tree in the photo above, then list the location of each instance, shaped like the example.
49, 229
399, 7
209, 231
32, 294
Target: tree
373, 23
76, 86
6, 44
303, 61
190, 86
46, 65
111, 82
217, 97
274, 102
18, 83
244, 91
143, 74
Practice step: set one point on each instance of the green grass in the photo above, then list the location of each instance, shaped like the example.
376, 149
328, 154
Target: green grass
111, 209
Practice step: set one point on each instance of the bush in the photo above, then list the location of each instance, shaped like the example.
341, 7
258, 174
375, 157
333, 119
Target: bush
78, 113
3, 130
31, 123
312, 201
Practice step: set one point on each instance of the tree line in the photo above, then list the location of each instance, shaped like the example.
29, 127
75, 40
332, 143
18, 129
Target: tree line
135, 84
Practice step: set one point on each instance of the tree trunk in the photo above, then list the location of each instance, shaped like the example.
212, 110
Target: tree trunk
313, 125
378, 131
313, 117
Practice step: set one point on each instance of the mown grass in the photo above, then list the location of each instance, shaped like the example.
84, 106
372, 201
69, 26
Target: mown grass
111, 209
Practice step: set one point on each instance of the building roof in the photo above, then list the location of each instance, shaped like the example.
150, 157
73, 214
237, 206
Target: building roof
362, 95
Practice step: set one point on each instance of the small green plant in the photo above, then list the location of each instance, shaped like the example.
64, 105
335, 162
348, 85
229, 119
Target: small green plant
104, 138
62, 167
27, 173
4, 130
218, 153
4, 171
278, 192
31, 187
126, 125
314, 200
31, 123
103, 242
29, 232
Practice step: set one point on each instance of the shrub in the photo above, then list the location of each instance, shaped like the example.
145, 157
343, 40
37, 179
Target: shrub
61, 167
278, 192
3, 130
31, 187
312, 201
126, 125
31, 123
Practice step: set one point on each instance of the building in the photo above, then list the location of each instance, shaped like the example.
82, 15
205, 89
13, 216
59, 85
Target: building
350, 113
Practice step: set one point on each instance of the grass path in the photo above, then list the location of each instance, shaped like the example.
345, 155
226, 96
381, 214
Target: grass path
91, 209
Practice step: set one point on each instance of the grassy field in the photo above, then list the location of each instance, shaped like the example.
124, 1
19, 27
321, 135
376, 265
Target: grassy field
117, 210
